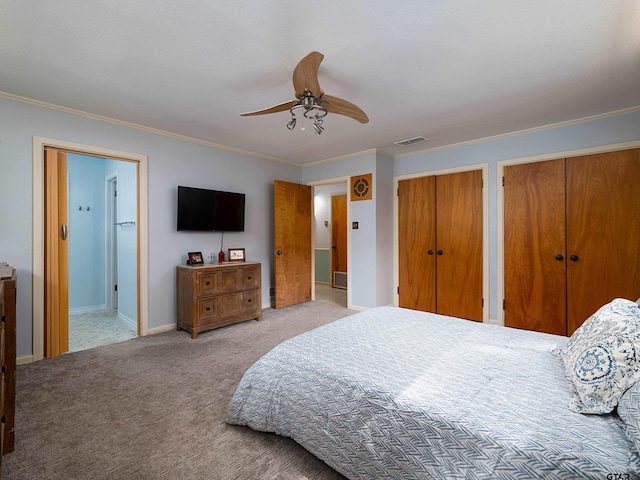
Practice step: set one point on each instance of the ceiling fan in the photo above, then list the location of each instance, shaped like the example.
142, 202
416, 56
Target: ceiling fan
311, 101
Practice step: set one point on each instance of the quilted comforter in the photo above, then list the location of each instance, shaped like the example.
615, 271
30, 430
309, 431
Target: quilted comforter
395, 393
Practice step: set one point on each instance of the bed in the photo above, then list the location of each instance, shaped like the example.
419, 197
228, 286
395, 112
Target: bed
396, 393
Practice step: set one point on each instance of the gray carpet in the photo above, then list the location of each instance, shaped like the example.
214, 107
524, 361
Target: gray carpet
154, 408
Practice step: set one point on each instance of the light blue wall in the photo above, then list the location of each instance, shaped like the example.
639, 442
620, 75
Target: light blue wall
175, 162
86, 231
171, 162
366, 264
127, 176
323, 266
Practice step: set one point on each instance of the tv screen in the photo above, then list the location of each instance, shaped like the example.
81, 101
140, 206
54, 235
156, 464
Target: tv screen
206, 210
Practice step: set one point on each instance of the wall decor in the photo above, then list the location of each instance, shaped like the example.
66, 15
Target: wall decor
195, 258
362, 187
236, 255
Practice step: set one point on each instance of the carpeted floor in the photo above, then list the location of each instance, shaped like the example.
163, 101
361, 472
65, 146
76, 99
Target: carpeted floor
154, 408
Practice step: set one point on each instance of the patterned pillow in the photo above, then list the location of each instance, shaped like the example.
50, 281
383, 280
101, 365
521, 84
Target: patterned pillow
602, 357
629, 411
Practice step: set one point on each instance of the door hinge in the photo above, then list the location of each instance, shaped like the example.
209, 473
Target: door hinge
115, 288
504, 304
482, 183
503, 181
397, 192
115, 193
398, 290
483, 303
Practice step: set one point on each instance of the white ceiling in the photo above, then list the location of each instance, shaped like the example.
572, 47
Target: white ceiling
449, 70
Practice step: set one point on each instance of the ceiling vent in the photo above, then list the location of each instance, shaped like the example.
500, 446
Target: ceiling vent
410, 141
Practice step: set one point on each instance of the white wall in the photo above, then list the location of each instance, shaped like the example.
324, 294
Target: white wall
171, 162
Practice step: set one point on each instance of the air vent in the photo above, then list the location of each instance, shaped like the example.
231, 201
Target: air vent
410, 141
340, 280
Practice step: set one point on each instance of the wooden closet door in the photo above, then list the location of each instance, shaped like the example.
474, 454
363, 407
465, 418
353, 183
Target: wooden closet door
534, 247
416, 244
459, 244
603, 231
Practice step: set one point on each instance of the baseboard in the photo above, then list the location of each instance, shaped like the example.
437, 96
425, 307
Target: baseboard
130, 321
357, 308
163, 329
24, 360
91, 309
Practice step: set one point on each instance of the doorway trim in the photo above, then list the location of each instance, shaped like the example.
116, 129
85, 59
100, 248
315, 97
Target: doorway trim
39, 143
111, 267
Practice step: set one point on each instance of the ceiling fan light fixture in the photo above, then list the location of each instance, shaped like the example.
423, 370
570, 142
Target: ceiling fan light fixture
319, 129
292, 123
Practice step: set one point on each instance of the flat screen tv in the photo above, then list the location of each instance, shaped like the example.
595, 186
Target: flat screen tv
204, 210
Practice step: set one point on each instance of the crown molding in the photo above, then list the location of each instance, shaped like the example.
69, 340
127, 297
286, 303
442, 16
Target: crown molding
122, 123
526, 130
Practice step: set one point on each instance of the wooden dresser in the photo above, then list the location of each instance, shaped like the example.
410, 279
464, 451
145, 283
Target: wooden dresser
7, 357
214, 295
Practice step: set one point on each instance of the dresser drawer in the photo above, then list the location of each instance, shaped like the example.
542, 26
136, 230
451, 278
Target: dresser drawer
208, 308
250, 277
207, 283
250, 301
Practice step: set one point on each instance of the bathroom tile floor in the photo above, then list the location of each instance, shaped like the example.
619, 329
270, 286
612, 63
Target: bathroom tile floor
89, 330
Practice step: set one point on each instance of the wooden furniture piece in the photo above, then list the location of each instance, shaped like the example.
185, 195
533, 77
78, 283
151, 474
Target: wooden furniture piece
571, 231
214, 295
8, 284
440, 244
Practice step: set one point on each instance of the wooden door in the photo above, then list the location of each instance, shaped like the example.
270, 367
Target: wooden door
603, 232
338, 235
459, 245
56, 295
534, 247
292, 243
417, 243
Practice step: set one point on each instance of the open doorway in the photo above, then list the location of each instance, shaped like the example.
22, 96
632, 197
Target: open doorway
102, 218
330, 207
134, 258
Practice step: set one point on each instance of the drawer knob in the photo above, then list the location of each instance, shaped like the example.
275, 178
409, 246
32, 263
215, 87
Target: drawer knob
4, 369
249, 278
208, 283
208, 308
4, 318
249, 300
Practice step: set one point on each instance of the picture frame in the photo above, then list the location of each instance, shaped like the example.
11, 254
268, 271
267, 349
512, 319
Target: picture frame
195, 258
236, 255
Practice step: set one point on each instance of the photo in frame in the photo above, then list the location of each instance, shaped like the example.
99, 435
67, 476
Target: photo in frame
236, 255
195, 258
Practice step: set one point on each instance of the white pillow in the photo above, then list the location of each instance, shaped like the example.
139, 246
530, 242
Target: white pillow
602, 357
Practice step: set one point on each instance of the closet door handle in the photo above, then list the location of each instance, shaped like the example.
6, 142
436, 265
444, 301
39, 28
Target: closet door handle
440, 252
559, 257
574, 258
430, 252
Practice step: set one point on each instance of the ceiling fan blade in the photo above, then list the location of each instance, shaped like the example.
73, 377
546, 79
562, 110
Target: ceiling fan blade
305, 75
342, 107
276, 108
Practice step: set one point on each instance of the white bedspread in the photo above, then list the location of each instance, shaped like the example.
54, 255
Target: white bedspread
395, 393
